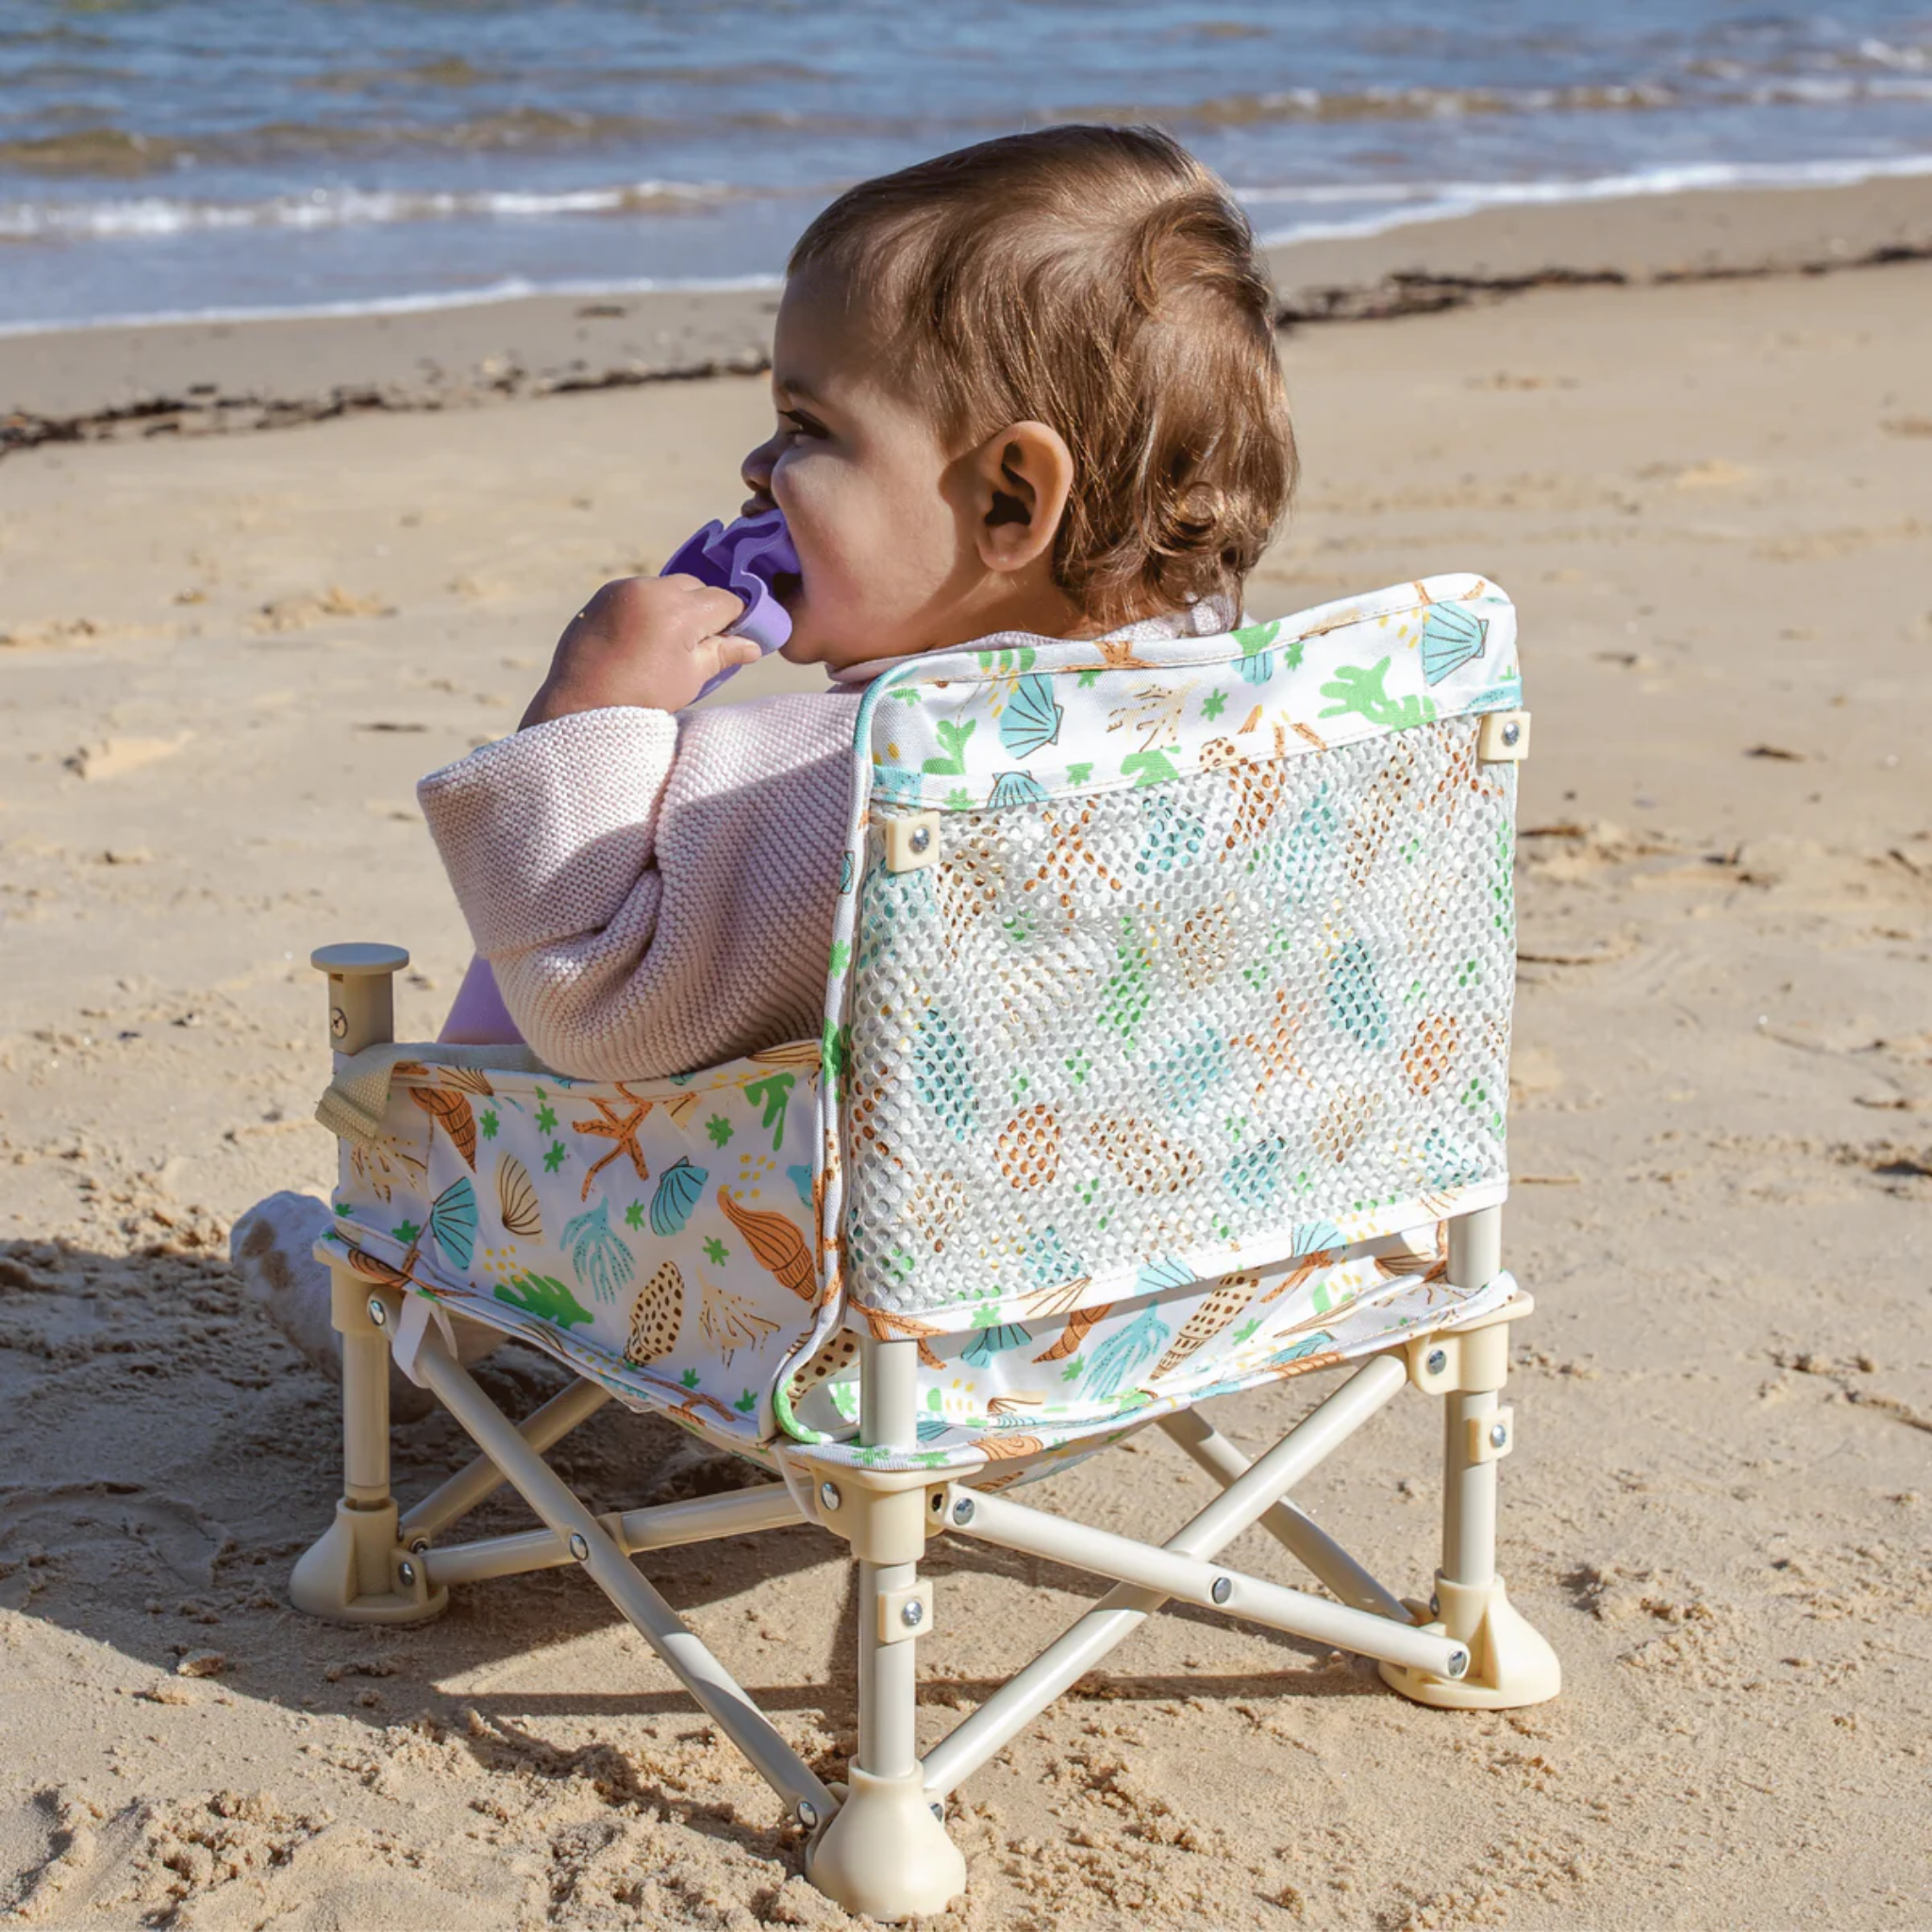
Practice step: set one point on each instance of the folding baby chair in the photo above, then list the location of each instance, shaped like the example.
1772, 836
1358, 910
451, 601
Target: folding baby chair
1165, 1055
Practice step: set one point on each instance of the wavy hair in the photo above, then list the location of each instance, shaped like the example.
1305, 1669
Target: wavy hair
1102, 281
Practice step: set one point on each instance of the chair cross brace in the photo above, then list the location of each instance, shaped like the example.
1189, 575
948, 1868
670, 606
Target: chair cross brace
1180, 1568
589, 1540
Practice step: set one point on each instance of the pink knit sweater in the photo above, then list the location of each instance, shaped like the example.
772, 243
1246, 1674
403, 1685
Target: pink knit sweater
654, 892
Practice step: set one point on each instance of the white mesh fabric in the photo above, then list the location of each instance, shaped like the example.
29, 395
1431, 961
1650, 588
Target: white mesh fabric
1108, 1029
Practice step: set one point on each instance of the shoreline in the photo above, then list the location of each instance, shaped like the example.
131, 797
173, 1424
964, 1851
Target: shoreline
100, 381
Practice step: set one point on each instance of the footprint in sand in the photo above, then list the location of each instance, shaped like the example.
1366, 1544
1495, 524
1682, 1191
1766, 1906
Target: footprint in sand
113, 757
298, 613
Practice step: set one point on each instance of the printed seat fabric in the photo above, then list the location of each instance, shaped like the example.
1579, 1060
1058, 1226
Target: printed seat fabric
656, 1236
1157, 1082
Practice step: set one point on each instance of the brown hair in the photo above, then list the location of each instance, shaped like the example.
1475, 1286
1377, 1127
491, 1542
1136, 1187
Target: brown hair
1102, 281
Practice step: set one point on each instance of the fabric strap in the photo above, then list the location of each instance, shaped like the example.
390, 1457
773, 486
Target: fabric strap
358, 1097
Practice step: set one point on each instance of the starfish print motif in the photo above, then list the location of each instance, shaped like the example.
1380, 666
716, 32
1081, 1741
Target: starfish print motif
624, 1132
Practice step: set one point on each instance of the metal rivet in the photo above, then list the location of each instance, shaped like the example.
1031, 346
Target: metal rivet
1223, 1588
338, 1024
912, 1615
1435, 1605
1511, 732
1499, 1434
921, 839
828, 1495
1438, 1361
418, 1544
807, 1814
579, 1548
378, 1313
939, 1811
407, 1573
1458, 1662
963, 1510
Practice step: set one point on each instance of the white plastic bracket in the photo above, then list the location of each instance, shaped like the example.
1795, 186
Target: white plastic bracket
885, 1514
1503, 737
903, 1614
1492, 1437
912, 842
1473, 1359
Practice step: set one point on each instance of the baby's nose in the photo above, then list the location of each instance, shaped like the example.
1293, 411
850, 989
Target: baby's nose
755, 472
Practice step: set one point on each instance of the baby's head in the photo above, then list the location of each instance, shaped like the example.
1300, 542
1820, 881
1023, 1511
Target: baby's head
1030, 385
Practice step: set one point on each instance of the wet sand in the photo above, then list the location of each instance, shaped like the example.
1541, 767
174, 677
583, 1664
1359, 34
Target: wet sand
224, 661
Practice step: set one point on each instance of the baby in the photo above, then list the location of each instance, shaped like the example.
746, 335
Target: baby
1024, 392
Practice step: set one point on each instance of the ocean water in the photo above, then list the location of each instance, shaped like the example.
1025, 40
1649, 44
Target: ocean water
165, 157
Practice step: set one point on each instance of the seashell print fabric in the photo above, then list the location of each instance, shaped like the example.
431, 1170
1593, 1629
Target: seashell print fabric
658, 1237
1033, 1394
1236, 954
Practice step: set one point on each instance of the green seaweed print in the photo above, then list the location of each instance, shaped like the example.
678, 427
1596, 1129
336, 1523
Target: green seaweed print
544, 1297
1358, 687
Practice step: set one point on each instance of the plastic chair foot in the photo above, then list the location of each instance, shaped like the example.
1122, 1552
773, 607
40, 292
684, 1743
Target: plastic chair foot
884, 1853
359, 1548
1510, 1664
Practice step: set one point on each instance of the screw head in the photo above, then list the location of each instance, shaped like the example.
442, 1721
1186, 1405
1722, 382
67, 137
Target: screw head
406, 1571
1437, 1361
379, 1313
921, 839
1221, 1589
338, 1024
1512, 732
1458, 1662
418, 1544
807, 1814
828, 1495
579, 1548
1499, 1434
962, 1510
912, 1615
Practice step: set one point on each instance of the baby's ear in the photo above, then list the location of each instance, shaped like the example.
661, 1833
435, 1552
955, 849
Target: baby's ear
1022, 477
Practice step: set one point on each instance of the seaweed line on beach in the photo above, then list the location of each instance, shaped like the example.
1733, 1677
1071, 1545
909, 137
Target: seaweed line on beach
205, 409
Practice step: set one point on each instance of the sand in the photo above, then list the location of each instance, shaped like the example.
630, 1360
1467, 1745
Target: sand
225, 659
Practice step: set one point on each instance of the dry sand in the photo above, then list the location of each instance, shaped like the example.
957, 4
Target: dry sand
222, 663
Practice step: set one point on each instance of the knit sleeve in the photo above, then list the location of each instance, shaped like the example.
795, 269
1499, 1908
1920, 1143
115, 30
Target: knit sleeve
653, 893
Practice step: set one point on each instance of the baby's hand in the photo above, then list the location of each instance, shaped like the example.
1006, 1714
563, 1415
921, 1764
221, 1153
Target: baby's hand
650, 642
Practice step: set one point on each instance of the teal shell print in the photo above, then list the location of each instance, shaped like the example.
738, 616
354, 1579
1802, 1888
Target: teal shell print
680, 1188
1016, 788
453, 1220
1453, 636
1032, 717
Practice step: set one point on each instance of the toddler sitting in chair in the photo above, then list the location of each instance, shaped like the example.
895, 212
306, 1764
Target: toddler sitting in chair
1024, 392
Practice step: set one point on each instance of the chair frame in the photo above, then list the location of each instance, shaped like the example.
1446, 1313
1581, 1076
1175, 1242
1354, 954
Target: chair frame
878, 1843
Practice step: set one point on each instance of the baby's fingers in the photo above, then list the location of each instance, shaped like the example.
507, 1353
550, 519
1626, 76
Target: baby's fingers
711, 610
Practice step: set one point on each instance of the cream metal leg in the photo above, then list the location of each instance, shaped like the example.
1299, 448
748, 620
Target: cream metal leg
1510, 1664
359, 1573
887, 1853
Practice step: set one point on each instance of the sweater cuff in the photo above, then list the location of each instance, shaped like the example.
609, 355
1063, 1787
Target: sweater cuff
544, 835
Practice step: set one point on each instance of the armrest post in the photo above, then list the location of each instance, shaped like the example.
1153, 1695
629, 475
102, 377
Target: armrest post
361, 992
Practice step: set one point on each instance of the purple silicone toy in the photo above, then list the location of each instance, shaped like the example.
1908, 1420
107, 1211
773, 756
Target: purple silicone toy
743, 557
